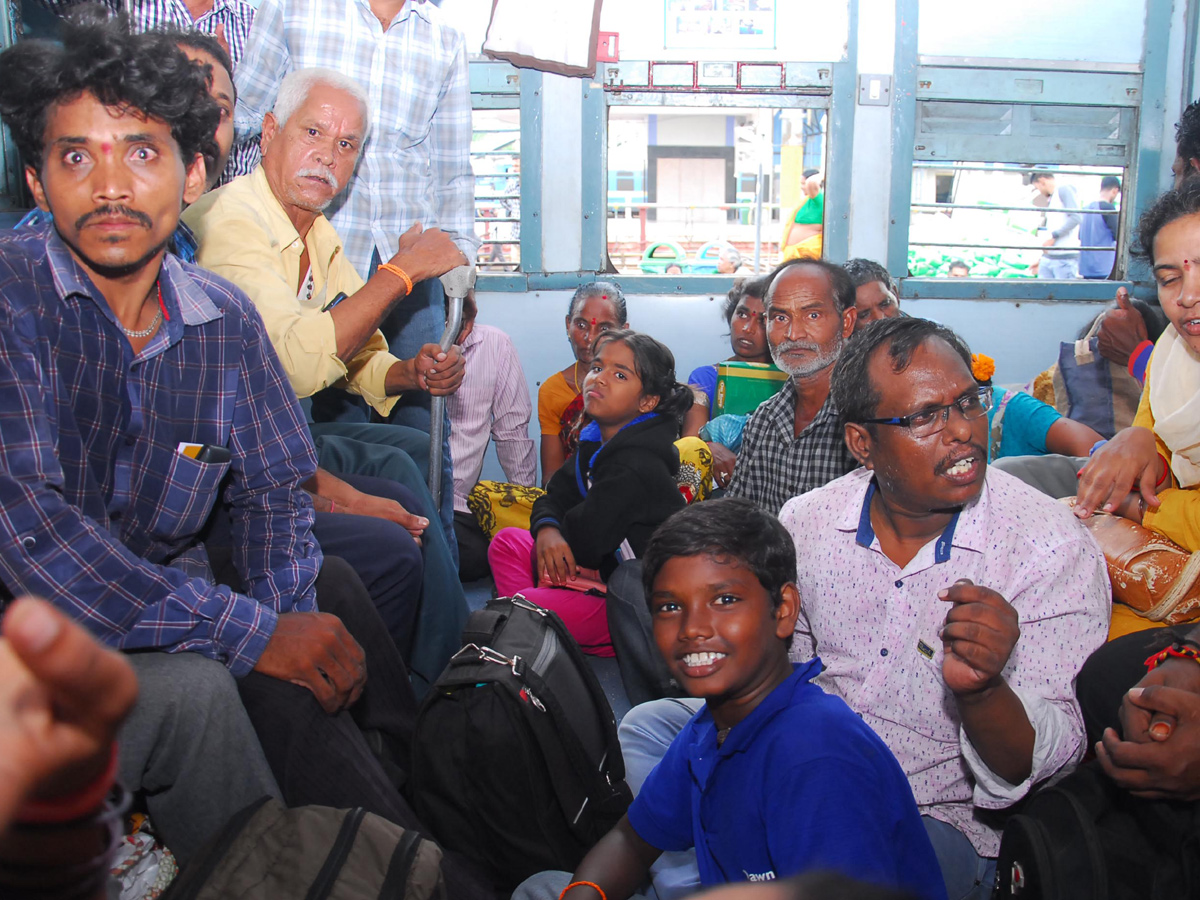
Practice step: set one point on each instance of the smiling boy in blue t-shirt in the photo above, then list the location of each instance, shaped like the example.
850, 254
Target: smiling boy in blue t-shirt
773, 777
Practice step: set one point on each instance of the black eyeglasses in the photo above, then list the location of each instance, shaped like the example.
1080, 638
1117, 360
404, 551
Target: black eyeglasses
930, 421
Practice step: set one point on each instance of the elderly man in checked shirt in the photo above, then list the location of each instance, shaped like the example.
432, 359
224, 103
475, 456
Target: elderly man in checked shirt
952, 605
792, 442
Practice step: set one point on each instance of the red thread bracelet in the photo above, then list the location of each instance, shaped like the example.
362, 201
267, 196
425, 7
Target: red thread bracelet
1165, 473
1176, 650
72, 806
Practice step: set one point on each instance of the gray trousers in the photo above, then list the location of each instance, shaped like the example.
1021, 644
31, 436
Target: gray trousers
189, 748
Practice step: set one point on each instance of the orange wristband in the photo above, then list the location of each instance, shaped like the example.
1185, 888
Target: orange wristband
399, 273
591, 884
74, 806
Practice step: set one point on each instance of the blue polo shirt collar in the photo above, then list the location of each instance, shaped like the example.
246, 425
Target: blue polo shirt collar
864, 535
743, 734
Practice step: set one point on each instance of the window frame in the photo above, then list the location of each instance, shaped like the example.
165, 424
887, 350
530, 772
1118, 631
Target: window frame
1000, 80
828, 86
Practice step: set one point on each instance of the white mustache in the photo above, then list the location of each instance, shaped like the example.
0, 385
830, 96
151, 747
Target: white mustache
787, 346
326, 176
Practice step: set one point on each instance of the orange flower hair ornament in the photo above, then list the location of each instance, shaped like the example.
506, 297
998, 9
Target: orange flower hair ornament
982, 367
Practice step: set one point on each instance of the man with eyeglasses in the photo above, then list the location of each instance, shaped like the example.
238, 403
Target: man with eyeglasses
951, 606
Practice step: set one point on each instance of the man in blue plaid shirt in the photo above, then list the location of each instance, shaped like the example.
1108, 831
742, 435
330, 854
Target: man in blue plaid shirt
136, 393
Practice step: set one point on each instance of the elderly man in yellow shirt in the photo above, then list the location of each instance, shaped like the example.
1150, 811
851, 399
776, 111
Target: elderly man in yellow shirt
266, 232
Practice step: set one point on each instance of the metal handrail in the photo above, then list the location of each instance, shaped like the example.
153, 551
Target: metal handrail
1000, 208
1002, 246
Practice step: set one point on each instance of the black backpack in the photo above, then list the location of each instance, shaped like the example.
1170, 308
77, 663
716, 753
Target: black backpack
644, 673
266, 852
1086, 838
516, 762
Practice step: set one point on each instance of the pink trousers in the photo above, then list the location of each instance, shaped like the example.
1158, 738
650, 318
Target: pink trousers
511, 555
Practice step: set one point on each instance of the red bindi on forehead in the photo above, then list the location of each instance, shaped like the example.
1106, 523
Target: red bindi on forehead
106, 147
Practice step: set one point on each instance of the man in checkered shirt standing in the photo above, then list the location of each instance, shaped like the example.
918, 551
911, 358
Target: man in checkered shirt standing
793, 442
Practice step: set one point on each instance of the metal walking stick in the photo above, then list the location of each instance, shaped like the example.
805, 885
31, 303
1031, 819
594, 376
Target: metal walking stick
457, 283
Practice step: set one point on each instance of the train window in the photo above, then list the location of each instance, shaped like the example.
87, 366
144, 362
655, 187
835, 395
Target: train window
995, 220
496, 158
1018, 190
687, 181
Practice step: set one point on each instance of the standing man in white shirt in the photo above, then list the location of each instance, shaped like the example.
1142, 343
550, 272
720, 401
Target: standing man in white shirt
1060, 258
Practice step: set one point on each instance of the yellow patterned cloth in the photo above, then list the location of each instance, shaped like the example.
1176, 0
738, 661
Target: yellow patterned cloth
695, 469
498, 504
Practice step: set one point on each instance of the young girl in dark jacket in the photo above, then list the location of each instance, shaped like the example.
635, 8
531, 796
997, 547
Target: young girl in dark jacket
603, 504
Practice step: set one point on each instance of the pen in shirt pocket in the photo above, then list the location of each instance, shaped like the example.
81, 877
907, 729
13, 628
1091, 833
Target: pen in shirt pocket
334, 302
204, 453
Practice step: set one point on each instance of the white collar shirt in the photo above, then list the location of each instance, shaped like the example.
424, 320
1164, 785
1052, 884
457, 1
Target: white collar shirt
876, 627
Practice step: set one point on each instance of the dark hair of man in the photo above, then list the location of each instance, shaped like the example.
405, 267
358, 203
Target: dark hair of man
850, 385
1166, 209
655, 366
607, 289
205, 43
1108, 182
960, 264
750, 287
864, 271
809, 173
98, 55
839, 280
1187, 132
728, 529
1038, 175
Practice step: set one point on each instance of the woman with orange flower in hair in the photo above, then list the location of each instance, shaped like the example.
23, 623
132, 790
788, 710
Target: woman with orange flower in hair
1019, 425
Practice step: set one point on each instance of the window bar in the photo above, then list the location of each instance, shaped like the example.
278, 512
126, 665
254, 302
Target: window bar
1002, 208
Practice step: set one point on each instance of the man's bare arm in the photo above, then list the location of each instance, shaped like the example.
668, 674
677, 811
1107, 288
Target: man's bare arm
423, 254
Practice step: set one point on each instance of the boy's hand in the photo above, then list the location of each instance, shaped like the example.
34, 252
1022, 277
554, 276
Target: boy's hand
556, 562
1167, 766
978, 636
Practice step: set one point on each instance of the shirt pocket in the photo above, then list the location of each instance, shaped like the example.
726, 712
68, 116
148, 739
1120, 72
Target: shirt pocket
189, 492
412, 127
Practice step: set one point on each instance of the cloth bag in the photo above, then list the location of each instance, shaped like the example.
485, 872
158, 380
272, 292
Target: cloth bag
1151, 574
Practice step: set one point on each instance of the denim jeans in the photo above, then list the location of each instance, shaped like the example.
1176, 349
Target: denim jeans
388, 451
